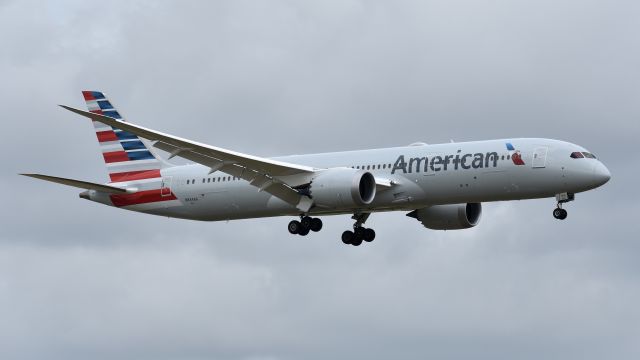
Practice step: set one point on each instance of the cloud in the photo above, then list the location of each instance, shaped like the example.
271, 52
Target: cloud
81, 280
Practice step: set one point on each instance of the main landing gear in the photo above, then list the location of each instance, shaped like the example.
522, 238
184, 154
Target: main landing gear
359, 233
560, 213
305, 225
355, 237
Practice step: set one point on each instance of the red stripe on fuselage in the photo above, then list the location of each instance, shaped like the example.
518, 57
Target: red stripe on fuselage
108, 135
115, 156
141, 197
134, 175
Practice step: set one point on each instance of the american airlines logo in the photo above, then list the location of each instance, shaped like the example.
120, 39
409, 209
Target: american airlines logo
516, 157
454, 162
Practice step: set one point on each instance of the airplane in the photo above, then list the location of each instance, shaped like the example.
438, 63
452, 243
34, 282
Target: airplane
442, 185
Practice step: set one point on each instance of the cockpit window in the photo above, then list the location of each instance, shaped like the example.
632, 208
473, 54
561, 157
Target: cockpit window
582, 155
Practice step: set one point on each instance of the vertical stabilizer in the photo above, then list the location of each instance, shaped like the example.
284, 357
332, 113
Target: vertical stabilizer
126, 156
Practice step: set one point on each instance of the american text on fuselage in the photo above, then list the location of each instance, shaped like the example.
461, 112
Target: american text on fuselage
445, 163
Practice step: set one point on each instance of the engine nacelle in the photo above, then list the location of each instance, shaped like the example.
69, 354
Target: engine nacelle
343, 187
449, 217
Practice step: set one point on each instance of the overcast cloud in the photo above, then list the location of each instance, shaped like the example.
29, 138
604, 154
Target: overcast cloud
79, 280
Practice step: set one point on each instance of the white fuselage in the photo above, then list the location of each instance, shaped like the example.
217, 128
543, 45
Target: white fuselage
422, 175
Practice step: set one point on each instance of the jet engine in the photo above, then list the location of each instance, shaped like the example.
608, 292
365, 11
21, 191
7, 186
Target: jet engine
343, 188
449, 217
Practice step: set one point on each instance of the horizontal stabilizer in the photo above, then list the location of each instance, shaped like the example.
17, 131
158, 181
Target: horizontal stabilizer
80, 184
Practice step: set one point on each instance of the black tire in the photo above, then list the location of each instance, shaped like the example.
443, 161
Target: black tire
356, 241
347, 237
316, 225
369, 235
303, 231
358, 233
557, 213
563, 214
306, 222
294, 227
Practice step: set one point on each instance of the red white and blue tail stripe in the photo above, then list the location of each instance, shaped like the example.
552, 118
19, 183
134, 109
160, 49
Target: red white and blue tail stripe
126, 156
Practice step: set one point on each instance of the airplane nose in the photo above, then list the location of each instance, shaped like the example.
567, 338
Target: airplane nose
601, 174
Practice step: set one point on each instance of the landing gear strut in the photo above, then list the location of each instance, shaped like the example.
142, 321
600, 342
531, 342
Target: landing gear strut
305, 225
359, 233
560, 213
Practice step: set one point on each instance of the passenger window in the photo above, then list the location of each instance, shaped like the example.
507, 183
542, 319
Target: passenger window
576, 155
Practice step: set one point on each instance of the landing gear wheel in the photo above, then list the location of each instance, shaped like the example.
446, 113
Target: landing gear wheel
294, 227
316, 224
306, 222
563, 214
369, 235
358, 236
560, 213
303, 231
347, 237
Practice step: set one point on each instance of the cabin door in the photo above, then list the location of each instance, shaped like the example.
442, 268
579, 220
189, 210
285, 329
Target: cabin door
165, 188
539, 157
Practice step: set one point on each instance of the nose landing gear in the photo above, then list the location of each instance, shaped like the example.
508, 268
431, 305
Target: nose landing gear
560, 213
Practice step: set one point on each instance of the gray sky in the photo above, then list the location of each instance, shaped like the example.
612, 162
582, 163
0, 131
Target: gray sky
80, 280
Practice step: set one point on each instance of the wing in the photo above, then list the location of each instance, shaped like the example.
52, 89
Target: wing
274, 177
